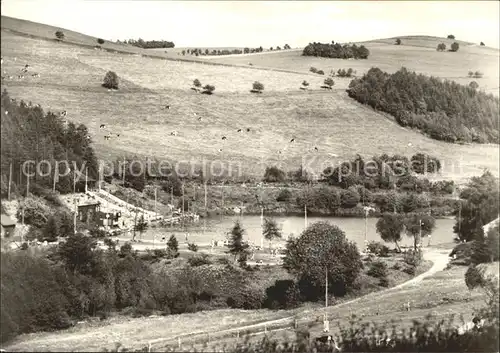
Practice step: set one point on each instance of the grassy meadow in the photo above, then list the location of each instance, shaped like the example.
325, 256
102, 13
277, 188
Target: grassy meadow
71, 76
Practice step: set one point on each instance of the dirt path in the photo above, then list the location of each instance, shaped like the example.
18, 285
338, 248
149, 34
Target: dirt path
162, 331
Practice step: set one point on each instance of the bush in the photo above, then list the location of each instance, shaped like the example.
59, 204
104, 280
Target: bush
375, 247
36, 213
196, 261
478, 74
100, 41
398, 41
257, 87
110, 80
193, 247
313, 69
378, 269
409, 270
349, 198
284, 195
208, 89
450, 36
60, 35
283, 294
482, 44
413, 258
474, 277
455, 46
274, 174
320, 72
441, 47
196, 83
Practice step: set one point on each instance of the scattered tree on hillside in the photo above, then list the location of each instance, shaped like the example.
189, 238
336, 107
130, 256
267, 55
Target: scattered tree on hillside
208, 89
183, 52
237, 247
196, 83
390, 226
257, 87
110, 80
286, 47
100, 40
329, 82
482, 44
477, 74
173, 246
474, 85
323, 249
398, 41
313, 69
418, 226
441, 47
305, 83
60, 35
207, 51
455, 46
451, 36
271, 230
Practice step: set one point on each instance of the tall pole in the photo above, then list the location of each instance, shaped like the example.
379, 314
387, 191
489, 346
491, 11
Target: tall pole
28, 183
305, 216
10, 181
326, 324
172, 195
54, 183
155, 202
74, 217
86, 179
74, 180
262, 227
205, 197
183, 202
123, 171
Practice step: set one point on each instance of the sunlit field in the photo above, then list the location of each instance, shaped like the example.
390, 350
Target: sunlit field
71, 76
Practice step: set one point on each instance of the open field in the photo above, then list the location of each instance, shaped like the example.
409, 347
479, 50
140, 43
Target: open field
416, 54
442, 294
71, 76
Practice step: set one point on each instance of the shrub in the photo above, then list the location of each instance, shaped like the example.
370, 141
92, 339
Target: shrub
409, 270
455, 46
193, 247
320, 72
60, 35
349, 198
36, 213
482, 44
413, 258
196, 261
208, 89
474, 85
274, 174
110, 80
284, 195
329, 82
283, 294
441, 47
374, 247
196, 83
384, 282
398, 41
257, 87
474, 277
378, 269
100, 40
478, 74
450, 36
313, 69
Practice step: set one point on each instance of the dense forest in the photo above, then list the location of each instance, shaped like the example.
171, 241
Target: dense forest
336, 51
30, 134
150, 44
444, 110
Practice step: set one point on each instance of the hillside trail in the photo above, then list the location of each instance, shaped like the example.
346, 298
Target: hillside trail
438, 257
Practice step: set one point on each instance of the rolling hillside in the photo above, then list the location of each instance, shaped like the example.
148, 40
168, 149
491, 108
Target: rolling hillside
71, 76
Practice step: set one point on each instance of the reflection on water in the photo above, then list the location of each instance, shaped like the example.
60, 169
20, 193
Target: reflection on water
216, 228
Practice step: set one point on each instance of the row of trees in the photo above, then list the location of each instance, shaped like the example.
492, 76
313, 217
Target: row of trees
214, 52
445, 110
149, 44
336, 50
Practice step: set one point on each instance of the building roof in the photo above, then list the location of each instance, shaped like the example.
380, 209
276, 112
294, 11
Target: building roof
86, 204
7, 221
